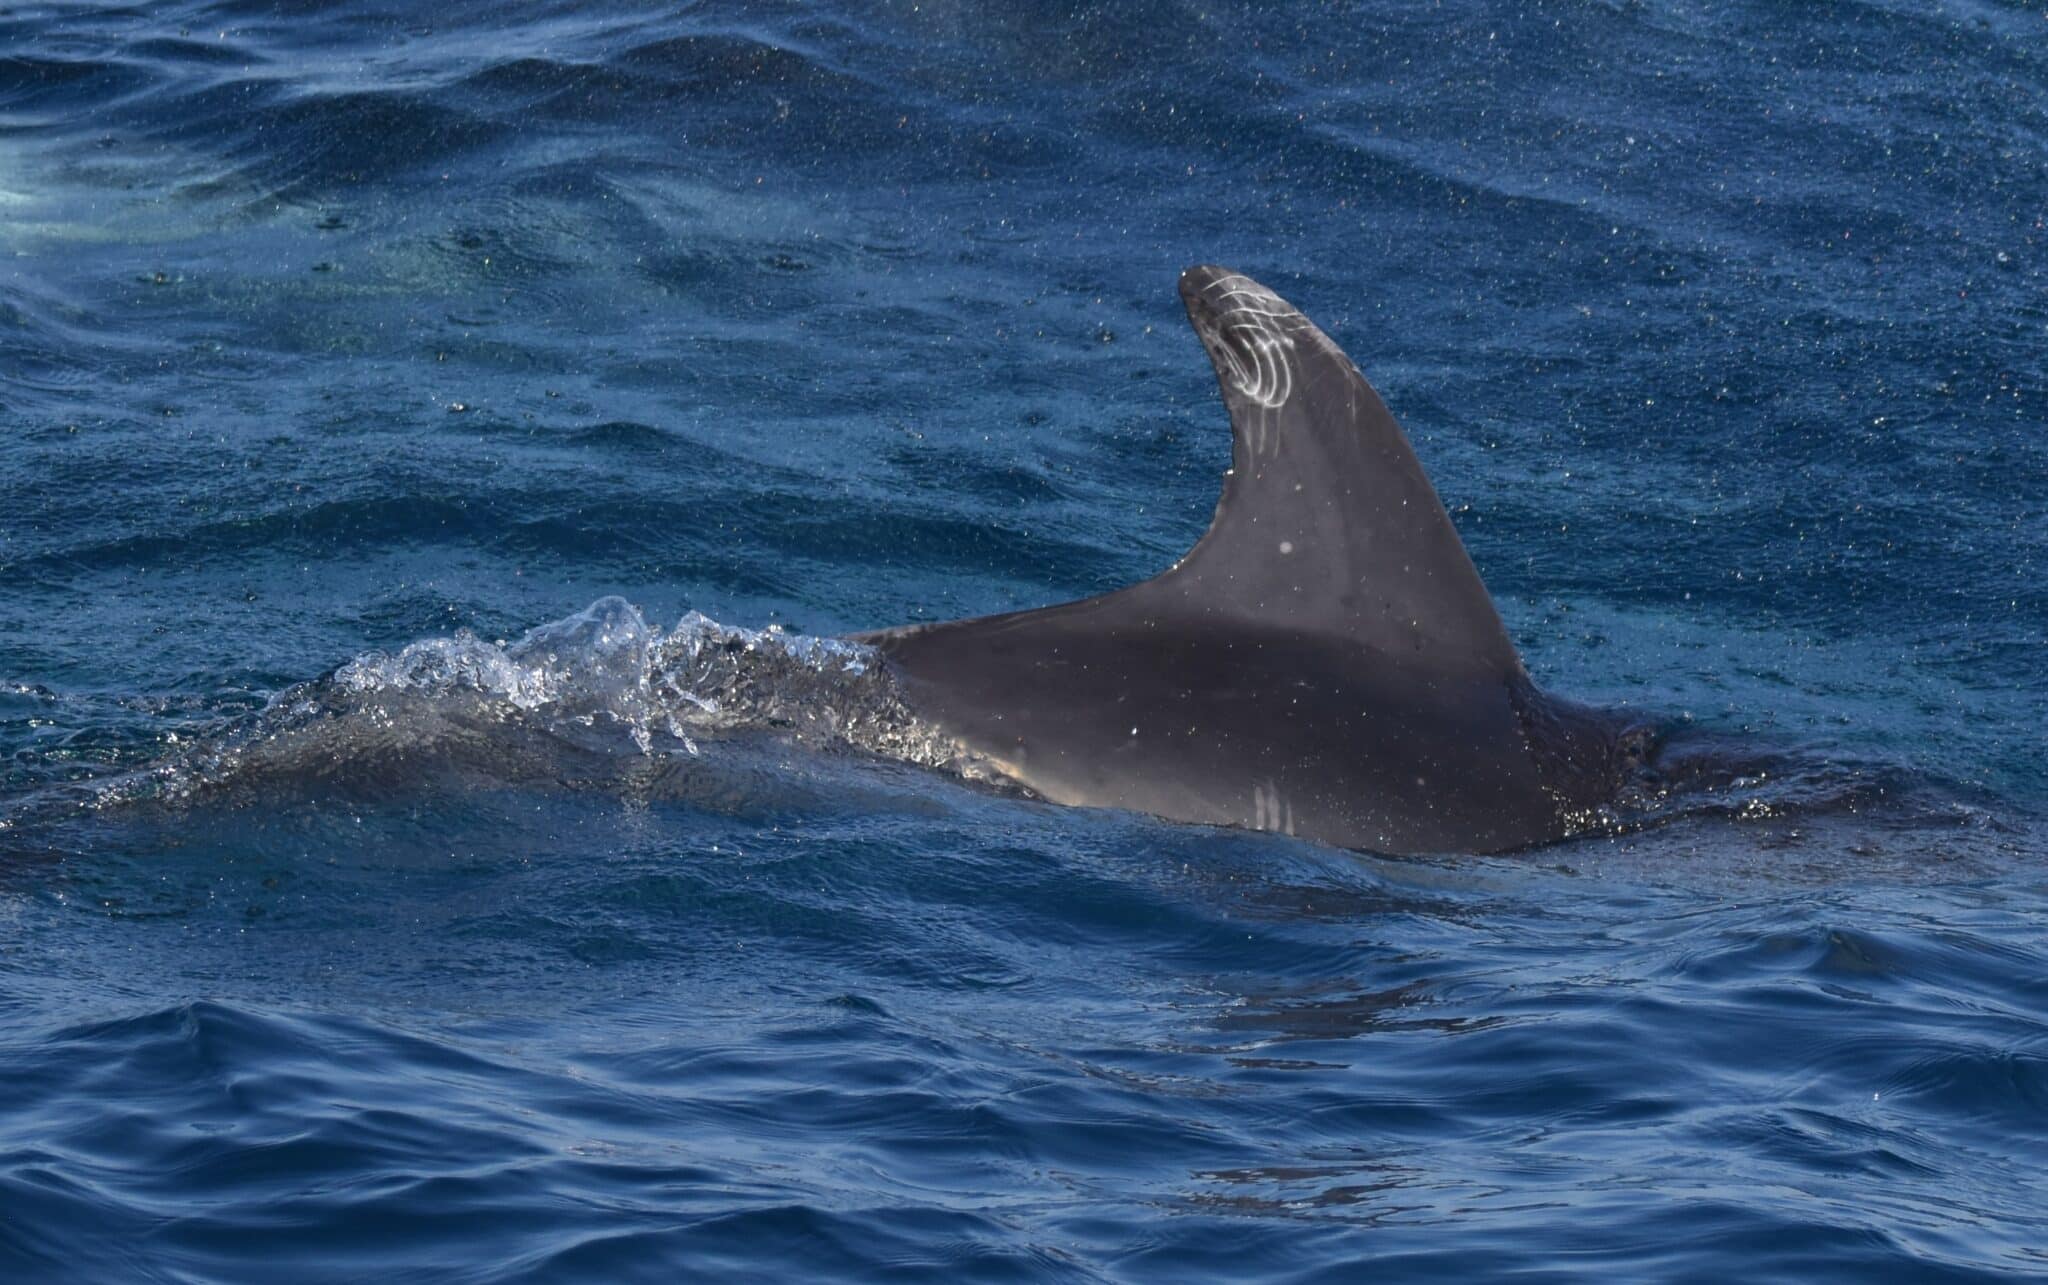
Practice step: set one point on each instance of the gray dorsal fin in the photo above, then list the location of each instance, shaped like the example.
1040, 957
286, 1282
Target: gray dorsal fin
1328, 525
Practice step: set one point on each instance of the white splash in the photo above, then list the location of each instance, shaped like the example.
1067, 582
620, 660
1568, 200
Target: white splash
606, 667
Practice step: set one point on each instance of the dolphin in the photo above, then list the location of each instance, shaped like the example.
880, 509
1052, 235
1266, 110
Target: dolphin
1325, 662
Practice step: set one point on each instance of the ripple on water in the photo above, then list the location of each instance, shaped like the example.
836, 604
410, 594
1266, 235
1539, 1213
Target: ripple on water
605, 949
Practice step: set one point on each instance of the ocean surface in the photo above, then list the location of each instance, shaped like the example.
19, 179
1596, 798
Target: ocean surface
439, 839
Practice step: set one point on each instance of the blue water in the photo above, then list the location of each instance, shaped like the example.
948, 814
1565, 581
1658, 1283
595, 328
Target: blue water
348, 931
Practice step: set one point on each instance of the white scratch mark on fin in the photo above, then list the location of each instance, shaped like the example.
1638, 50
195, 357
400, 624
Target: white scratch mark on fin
1257, 352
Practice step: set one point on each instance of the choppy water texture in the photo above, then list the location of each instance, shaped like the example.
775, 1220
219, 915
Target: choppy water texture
375, 904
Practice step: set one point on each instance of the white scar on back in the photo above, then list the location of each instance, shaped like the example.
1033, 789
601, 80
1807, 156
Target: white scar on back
1270, 811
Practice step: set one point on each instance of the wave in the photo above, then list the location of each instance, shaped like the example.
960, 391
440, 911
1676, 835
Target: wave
600, 699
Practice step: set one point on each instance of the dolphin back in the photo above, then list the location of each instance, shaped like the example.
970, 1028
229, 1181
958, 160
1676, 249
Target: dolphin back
1324, 662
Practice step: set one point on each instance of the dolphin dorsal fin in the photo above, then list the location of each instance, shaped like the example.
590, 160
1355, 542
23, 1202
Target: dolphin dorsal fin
1327, 524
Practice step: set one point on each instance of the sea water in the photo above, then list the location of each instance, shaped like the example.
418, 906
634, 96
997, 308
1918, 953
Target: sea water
440, 838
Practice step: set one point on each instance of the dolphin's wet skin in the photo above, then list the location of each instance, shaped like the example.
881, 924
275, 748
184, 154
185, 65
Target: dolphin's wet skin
1325, 663
563, 574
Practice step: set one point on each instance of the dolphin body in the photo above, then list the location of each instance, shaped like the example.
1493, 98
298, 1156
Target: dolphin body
1326, 662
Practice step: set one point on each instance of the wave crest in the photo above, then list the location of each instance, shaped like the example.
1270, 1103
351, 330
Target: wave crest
579, 700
